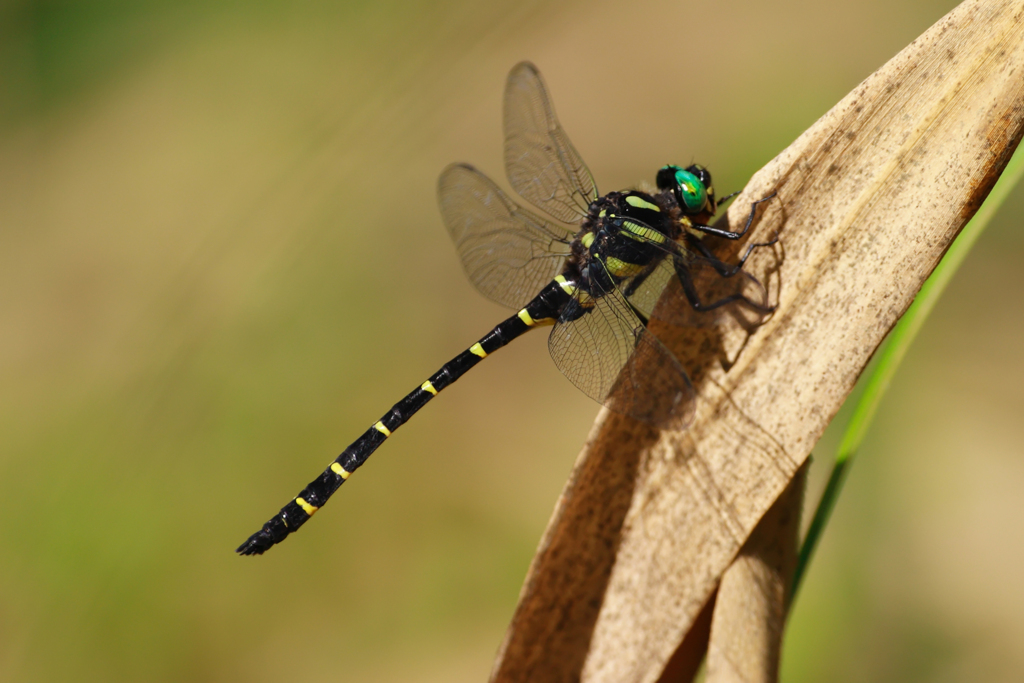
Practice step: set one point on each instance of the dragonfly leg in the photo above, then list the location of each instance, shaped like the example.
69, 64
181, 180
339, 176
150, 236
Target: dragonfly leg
727, 197
690, 290
725, 269
711, 230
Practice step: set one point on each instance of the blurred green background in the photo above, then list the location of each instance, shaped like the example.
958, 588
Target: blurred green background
221, 259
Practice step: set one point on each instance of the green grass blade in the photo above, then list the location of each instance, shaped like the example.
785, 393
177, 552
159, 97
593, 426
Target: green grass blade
893, 352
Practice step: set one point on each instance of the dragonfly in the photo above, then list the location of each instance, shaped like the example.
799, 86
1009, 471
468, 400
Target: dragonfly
594, 268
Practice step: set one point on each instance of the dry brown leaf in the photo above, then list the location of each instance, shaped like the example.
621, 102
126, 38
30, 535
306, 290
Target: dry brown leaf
750, 610
868, 200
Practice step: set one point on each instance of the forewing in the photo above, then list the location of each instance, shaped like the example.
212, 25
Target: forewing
604, 349
541, 163
508, 253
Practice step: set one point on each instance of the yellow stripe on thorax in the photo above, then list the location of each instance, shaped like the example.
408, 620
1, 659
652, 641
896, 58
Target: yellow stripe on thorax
641, 203
620, 268
641, 233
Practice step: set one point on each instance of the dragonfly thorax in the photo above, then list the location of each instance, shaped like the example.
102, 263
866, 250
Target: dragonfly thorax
624, 234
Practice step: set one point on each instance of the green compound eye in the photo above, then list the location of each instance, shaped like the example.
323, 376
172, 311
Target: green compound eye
692, 192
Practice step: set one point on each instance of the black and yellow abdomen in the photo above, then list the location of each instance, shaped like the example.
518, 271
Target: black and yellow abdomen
542, 310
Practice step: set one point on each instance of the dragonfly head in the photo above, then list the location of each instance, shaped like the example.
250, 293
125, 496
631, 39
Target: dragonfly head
691, 188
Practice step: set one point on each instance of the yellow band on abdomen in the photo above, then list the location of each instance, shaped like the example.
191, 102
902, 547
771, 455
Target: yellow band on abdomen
567, 287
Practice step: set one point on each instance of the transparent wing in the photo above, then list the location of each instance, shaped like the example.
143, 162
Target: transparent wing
603, 348
508, 253
541, 163
643, 290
